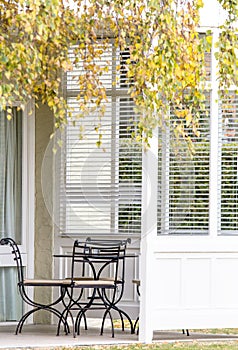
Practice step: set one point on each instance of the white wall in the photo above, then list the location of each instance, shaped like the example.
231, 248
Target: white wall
188, 281
194, 284
212, 14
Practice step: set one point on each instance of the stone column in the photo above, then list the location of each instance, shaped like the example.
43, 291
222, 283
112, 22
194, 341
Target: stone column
43, 220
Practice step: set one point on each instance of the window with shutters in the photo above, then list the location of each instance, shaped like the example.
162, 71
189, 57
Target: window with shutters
101, 187
228, 174
183, 181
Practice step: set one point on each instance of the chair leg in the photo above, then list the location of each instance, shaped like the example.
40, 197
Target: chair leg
122, 322
81, 314
122, 312
187, 332
46, 308
135, 325
108, 311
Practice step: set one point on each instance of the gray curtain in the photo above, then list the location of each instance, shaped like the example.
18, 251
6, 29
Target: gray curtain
10, 207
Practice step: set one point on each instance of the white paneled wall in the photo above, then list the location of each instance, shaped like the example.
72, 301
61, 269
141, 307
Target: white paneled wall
195, 289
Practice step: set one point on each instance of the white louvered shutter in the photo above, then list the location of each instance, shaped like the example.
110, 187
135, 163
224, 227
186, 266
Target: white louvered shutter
183, 183
228, 174
101, 187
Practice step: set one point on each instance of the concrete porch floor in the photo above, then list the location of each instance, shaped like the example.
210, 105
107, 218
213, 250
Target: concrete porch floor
44, 336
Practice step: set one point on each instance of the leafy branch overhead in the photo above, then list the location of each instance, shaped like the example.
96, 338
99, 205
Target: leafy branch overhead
165, 65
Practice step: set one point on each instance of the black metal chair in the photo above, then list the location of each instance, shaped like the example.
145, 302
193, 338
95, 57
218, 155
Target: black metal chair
23, 283
120, 281
136, 324
91, 263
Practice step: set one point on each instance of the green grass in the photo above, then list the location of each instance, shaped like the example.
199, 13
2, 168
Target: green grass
186, 345
117, 324
165, 346
233, 331
181, 346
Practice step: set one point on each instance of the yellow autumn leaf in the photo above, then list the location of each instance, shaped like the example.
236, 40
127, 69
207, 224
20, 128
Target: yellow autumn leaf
7, 74
188, 118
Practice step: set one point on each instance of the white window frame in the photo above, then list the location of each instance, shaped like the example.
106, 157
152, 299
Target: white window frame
113, 92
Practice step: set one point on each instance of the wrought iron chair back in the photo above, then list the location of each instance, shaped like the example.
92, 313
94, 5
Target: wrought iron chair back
92, 260
17, 258
23, 283
97, 258
110, 246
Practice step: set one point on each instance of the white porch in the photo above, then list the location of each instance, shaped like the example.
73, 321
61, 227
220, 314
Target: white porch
187, 281
43, 336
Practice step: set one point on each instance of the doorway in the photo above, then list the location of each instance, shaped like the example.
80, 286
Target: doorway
16, 193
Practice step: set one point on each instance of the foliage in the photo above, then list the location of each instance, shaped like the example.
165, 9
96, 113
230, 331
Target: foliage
227, 46
130, 162
166, 55
130, 172
193, 189
229, 345
200, 193
130, 176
